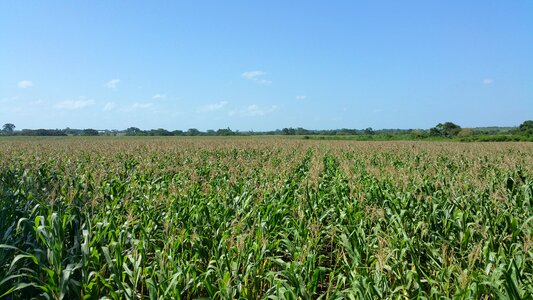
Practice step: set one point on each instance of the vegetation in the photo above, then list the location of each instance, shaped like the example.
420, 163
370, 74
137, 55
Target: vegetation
8, 128
271, 218
447, 129
90, 132
526, 127
442, 132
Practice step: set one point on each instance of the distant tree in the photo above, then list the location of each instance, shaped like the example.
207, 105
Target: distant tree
193, 132
225, 132
70, 131
419, 134
288, 131
466, 132
369, 131
133, 131
164, 132
447, 129
301, 131
346, 131
43, 132
450, 129
90, 132
159, 132
434, 132
524, 128
8, 128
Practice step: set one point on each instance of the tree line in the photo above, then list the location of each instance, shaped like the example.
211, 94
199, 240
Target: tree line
441, 130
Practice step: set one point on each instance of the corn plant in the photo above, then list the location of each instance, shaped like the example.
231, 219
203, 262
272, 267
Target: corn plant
248, 218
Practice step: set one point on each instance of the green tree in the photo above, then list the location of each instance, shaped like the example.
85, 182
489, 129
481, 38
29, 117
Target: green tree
8, 128
225, 132
524, 128
178, 132
193, 132
448, 129
133, 131
419, 134
159, 132
369, 131
466, 132
90, 132
288, 131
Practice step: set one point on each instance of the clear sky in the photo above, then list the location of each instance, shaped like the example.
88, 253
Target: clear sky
265, 65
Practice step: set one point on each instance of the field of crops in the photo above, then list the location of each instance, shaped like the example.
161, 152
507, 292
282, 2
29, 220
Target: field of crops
251, 218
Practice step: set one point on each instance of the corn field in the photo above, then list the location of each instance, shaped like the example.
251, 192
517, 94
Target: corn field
264, 218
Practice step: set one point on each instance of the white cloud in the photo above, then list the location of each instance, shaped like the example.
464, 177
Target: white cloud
112, 84
253, 111
24, 84
159, 96
212, 107
140, 106
256, 76
487, 81
82, 102
251, 75
109, 106
301, 97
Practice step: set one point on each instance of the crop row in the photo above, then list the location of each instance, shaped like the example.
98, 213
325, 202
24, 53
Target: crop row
264, 218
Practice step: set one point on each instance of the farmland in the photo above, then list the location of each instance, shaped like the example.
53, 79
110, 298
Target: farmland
260, 217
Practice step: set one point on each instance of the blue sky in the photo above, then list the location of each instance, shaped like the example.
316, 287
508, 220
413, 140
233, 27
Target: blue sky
264, 65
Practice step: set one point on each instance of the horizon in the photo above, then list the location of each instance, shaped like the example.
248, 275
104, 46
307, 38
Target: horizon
266, 66
260, 131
